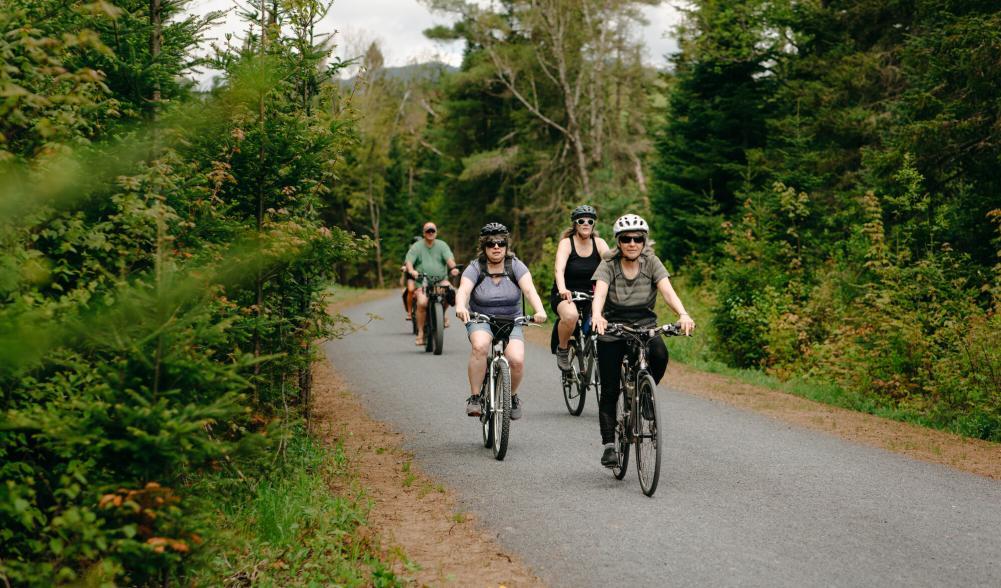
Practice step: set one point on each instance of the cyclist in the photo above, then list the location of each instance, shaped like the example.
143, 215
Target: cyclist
577, 257
433, 257
493, 284
626, 287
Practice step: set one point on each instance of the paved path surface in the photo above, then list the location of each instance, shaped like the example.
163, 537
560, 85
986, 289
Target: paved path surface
743, 500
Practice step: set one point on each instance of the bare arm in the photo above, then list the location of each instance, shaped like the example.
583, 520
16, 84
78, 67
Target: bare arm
601, 245
598, 305
671, 297
528, 287
560, 266
410, 270
462, 299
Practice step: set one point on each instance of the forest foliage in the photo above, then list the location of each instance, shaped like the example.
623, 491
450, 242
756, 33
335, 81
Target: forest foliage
162, 274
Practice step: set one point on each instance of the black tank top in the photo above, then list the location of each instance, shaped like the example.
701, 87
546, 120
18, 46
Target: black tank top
578, 272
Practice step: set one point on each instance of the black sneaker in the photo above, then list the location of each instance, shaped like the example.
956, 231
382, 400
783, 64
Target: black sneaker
610, 458
563, 358
515, 408
473, 406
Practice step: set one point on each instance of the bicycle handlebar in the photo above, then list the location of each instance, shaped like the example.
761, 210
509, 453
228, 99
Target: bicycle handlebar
476, 317
580, 296
668, 330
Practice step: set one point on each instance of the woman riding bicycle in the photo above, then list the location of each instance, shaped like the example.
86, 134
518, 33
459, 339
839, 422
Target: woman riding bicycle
577, 257
626, 287
493, 284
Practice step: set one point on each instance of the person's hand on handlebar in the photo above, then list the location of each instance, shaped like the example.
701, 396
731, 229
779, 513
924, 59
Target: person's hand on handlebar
565, 294
599, 323
539, 318
687, 324
462, 313
454, 271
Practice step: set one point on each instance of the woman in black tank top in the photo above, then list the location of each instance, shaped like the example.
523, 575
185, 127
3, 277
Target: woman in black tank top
577, 256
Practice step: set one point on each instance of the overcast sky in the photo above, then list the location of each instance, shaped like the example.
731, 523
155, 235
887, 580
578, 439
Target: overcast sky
398, 24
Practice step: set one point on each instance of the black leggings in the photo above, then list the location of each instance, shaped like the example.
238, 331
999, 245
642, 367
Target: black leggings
610, 356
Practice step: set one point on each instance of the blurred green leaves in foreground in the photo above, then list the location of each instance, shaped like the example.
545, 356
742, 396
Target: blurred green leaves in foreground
163, 264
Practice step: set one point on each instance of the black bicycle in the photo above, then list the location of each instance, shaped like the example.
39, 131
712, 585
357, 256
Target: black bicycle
637, 417
583, 353
495, 392
434, 317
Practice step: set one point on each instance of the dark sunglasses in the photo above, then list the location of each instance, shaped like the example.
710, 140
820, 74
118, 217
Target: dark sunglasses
585, 221
630, 239
430, 230
490, 244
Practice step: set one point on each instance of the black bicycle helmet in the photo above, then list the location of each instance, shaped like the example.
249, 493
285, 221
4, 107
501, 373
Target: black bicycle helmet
583, 210
493, 229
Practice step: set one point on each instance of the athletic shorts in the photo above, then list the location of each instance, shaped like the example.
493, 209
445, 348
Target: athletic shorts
516, 333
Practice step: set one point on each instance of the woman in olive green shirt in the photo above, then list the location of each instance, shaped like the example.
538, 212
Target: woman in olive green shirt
626, 286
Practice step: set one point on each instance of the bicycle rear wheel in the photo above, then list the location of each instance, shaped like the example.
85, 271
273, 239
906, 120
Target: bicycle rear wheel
502, 411
574, 386
439, 328
647, 435
622, 425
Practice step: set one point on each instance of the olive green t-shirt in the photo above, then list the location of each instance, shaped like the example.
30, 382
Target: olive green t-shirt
432, 260
631, 301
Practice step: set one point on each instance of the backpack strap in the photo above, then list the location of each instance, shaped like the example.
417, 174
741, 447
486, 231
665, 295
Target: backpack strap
482, 265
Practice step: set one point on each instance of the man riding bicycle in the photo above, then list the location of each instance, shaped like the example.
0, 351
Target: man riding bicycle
626, 287
493, 284
432, 257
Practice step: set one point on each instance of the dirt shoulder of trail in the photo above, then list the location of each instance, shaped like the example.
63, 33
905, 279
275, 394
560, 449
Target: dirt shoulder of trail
414, 514
969, 455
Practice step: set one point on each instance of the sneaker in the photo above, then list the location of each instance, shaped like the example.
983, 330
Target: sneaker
473, 407
563, 358
610, 458
515, 408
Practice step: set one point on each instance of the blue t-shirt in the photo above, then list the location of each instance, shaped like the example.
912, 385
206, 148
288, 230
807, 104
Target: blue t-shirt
502, 299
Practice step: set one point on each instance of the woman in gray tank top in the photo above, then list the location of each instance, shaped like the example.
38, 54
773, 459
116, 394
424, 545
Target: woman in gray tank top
498, 294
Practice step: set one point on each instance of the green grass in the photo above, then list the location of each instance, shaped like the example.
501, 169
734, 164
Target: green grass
291, 529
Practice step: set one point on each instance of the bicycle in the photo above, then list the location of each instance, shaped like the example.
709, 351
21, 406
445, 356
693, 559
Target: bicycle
495, 392
583, 352
637, 417
434, 317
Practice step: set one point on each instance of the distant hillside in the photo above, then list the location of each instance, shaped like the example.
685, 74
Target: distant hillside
431, 70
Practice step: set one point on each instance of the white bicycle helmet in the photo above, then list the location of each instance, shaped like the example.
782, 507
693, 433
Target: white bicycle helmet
630, 222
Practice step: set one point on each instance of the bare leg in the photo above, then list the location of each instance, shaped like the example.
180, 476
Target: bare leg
422, 307
480, 341
568, 321
515, 354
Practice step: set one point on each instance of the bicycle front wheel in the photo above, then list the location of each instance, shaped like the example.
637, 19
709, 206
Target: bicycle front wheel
502, 409
429, 328
647, 435
574, 386
439, 328
622, 425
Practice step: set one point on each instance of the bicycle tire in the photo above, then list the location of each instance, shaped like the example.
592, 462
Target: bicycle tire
413, 318
573, 385
621, 437
502, 412
429, 328
648, 438
439, 328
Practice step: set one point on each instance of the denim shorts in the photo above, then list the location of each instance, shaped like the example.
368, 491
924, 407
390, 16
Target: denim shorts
516, 333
